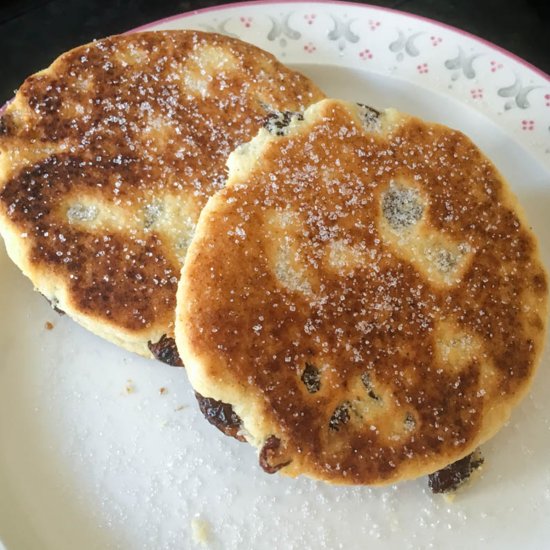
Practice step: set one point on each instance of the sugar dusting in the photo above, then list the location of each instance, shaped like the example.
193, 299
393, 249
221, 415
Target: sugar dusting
364, 253
122, 143
135, 471
147, 501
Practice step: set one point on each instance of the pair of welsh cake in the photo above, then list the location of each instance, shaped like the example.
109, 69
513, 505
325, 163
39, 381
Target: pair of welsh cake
357, 294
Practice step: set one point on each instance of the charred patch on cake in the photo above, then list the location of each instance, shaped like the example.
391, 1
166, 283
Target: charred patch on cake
221, 415
453, 476
269, 456
277, 122
165, 350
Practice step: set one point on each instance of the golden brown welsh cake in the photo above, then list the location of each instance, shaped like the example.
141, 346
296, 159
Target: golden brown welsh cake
107, 157
366, 294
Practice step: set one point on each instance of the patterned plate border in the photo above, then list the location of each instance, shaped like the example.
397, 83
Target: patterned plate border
511, 92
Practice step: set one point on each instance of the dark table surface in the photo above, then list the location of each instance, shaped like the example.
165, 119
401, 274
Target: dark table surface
34, 32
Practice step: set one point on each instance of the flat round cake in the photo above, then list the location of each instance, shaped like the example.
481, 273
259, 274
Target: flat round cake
108, 156
365, 293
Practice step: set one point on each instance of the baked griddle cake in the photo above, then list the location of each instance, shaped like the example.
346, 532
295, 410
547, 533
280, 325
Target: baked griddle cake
365, 293
107, 157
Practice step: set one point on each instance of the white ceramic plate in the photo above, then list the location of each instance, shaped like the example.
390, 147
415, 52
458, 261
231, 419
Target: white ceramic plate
93, 455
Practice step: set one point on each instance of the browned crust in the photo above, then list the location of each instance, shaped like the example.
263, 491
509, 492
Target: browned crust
245, 335
115, 121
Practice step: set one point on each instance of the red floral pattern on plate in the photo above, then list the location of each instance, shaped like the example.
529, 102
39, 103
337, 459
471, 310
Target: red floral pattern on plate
373, 25
365, 54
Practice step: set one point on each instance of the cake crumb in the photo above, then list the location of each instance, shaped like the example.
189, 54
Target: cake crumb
163, 391
130, 387
48, 325
200, 530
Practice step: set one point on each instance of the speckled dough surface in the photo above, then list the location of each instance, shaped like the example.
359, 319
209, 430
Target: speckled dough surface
366, 294
107, 157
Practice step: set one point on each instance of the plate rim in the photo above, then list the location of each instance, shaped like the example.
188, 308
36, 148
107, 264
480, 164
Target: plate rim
393, 11
222, 7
